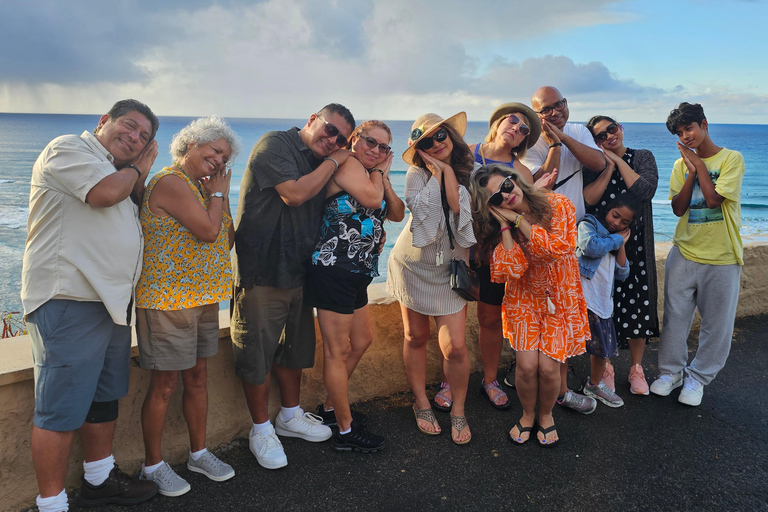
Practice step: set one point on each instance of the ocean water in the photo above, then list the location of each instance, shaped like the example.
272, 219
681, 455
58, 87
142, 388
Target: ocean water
23, 137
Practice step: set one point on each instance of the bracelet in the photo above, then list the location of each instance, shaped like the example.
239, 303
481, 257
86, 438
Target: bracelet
379, 171
555, 144
519, 220
334, 162
504, 229
134, 168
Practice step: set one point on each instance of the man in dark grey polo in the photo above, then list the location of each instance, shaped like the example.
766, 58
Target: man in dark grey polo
276, 227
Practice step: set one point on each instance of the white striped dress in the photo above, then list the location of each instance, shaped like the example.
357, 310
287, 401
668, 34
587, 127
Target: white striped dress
413, 276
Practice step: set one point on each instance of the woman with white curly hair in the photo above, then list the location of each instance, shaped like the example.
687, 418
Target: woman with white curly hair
188, 234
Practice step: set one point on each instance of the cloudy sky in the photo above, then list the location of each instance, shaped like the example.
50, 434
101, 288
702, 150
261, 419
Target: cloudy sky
391, 59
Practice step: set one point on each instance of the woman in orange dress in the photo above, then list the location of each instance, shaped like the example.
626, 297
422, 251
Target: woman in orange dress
544, 314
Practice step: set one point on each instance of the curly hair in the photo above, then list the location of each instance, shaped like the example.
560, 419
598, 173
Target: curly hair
462, 160
486, 227
683, 115
519, 151
203, 131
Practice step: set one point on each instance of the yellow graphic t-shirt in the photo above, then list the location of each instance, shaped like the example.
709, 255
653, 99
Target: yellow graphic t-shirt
711, 235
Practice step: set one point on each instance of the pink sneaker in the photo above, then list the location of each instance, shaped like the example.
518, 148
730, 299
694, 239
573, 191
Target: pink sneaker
608, 376
637, 382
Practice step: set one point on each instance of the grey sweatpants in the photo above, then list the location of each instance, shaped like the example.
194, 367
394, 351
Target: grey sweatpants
714, 290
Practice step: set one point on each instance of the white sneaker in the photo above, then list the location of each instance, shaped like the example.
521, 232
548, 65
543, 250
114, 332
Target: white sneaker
666, 382
305, 425
268, 449
168, 482
692, 392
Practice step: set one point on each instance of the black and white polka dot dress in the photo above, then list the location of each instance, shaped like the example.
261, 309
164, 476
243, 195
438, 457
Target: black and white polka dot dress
635, 299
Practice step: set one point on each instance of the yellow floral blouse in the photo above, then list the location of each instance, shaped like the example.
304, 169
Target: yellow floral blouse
179, 270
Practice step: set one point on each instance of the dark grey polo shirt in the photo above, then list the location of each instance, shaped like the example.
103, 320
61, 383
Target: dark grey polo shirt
273, 241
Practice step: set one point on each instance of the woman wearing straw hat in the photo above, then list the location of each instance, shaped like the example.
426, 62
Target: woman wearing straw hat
436, 189
512, 129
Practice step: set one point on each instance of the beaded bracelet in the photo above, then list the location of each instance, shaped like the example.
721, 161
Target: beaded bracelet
519, 220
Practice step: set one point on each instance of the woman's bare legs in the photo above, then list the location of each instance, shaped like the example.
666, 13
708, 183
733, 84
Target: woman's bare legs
335, 329
416, 330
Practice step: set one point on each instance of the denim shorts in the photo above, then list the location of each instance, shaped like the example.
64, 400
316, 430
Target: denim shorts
81, 356
175, 339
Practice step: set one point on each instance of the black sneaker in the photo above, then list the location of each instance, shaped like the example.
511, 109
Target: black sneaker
509, 378
329, 417
118, 489
359, 439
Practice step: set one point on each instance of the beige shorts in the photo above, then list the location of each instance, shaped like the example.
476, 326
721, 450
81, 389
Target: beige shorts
175, 339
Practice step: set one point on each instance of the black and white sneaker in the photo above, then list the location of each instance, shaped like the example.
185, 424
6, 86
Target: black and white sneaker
359, 439
329, 417
509, 378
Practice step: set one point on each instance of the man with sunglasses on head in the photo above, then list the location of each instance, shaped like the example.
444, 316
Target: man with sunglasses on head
566, 147
278, 218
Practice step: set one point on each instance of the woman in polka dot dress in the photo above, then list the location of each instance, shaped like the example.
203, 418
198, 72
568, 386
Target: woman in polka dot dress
629, 171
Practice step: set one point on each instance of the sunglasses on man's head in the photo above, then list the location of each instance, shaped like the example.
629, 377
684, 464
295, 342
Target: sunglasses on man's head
523, 128
332, 131
507, 186
610, 129
427, 142
372, 143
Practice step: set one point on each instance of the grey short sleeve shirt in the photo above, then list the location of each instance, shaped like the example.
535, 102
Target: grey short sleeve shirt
273, 241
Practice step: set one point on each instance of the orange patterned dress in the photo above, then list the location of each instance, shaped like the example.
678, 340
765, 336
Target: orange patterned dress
545, 267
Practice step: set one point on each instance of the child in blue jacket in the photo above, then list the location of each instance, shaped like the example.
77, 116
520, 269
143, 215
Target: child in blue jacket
602, 258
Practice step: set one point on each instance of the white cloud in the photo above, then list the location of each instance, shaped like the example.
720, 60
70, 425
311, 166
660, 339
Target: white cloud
286, 58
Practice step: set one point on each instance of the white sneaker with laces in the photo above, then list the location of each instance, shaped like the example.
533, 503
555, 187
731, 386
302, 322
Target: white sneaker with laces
692, 392
666, 382
304, 425
268, 449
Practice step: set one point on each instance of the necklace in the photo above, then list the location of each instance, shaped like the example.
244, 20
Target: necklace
197, 183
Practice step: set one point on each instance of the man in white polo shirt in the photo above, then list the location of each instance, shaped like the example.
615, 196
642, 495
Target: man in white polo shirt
81, 263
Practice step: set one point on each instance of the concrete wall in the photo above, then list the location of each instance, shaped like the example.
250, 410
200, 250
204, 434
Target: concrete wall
380, 373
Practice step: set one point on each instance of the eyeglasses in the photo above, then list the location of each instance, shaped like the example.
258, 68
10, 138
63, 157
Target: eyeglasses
507, 186
559, 105
372, 143
523, 128
332, 131
610, 129
427, 142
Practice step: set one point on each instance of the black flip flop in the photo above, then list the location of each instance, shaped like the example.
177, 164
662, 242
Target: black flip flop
521, 429
546, 431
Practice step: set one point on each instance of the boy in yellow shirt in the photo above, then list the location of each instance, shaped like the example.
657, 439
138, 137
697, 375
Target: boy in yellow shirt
704, 266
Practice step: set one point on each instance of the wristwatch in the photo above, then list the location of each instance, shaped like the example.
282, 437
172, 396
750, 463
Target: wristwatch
218, 194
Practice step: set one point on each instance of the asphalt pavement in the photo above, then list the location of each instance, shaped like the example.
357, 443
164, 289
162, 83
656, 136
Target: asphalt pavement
653, 454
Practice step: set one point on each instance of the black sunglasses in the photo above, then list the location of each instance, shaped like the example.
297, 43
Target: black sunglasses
372, 143
427, 142
332, 131
559, 105
610, 129
507, 186
523, 128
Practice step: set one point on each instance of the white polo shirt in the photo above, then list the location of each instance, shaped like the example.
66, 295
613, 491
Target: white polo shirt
75, 251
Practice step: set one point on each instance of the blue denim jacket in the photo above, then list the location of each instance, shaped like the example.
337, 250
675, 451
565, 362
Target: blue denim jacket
594, 242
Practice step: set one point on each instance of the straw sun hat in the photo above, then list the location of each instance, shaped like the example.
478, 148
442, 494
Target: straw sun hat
426, 126
531, 117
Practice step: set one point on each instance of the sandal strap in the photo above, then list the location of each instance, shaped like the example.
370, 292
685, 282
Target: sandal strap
522, 429
494, 386
426, 415
459, 423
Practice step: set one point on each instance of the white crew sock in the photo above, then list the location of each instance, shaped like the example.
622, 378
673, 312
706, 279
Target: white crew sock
56, 503
288, 413
196, 455
96, 472
148, 470
261, 428
346, 431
